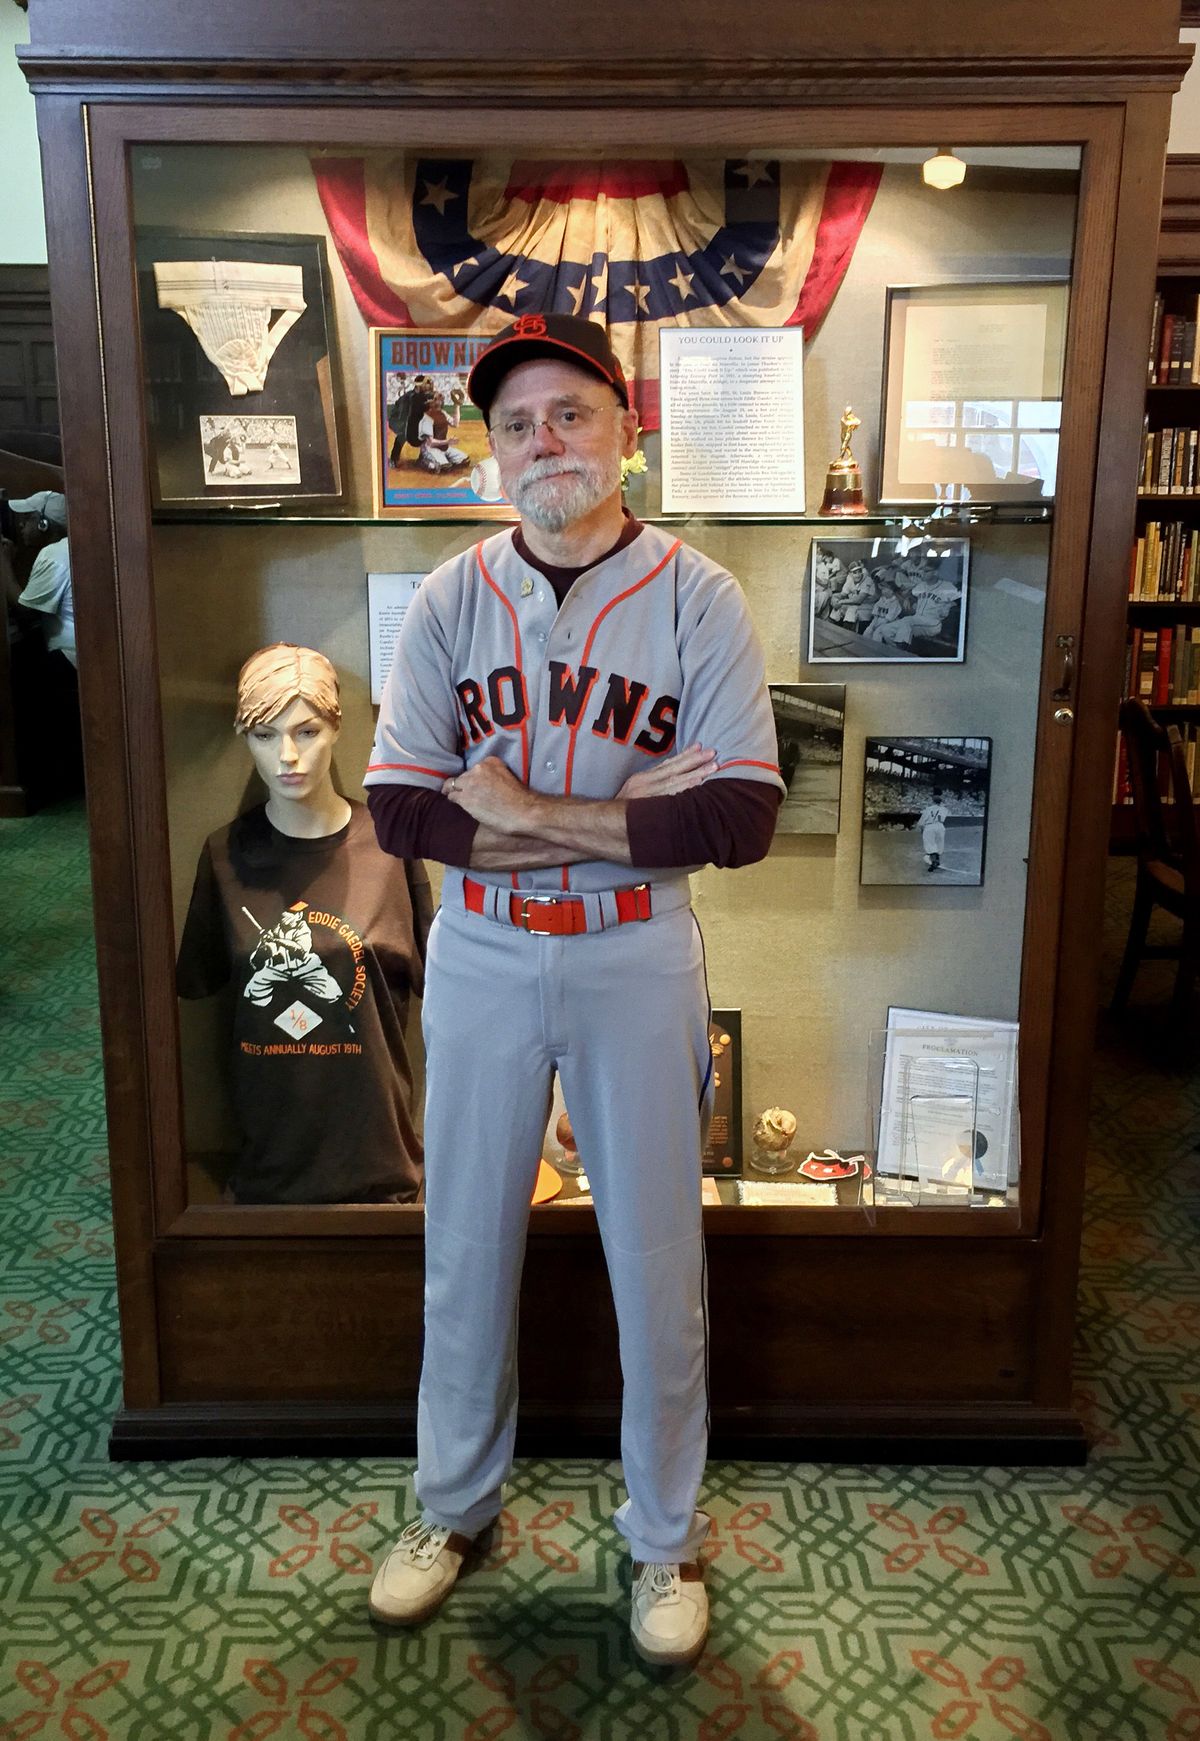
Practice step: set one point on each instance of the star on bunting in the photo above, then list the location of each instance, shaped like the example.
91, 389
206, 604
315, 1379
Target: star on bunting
735, 271
683, 283
639, 293
436, 194
754, 173
512, 287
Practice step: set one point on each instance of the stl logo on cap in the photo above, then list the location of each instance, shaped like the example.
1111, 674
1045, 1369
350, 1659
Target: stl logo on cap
530, 326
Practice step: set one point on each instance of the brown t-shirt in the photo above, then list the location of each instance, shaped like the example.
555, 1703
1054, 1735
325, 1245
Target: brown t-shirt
322, 942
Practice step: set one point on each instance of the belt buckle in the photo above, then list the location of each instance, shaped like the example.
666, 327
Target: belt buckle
538, 900
642, 889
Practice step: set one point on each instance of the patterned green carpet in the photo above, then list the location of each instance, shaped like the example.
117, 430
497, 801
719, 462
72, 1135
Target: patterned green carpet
224, 1600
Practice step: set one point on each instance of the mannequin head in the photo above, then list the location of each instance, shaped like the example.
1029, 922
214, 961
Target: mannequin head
290, 716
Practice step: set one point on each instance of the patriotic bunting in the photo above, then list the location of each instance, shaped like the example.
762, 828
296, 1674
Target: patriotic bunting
463, 243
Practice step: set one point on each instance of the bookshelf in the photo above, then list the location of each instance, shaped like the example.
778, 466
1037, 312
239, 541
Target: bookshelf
1162, 656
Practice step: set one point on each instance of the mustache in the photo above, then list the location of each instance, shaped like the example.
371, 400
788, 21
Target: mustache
550, 466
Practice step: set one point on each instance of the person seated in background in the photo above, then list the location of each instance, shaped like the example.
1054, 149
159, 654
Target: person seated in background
40, 528
35, 565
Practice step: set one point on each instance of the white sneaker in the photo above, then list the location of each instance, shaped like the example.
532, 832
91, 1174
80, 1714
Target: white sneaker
418, 1574
669, 1623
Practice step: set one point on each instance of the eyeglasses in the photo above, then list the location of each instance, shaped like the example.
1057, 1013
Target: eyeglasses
513, 434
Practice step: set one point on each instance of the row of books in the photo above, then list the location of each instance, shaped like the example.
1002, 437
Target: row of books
1162, 666
1174, 347
1163, 563
1170, 462
1122, 790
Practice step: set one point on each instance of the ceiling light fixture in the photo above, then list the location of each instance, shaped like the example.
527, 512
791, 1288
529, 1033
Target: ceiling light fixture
943, 169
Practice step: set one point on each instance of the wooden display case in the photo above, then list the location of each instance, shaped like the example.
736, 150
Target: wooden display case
944, 1333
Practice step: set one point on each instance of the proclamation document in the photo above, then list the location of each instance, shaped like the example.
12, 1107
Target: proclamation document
732, 420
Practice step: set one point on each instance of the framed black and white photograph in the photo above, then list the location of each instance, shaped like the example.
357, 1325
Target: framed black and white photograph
810, 723
882, 601
241, 378
925, 811
972, 391
249, 450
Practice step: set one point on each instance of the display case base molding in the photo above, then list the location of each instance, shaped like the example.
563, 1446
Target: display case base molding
817, 1349
965, 1437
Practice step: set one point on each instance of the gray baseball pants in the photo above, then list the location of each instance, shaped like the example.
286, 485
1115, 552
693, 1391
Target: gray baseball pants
622, 1014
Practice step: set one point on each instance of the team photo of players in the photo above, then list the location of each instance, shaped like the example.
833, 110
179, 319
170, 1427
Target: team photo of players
925, 810
881, 600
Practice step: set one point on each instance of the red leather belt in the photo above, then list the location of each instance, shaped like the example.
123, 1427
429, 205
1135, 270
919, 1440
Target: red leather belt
557, 915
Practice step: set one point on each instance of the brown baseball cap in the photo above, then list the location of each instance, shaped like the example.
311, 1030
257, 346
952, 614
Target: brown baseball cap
569, 337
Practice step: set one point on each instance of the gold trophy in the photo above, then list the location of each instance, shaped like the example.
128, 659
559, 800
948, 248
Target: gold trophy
843, 479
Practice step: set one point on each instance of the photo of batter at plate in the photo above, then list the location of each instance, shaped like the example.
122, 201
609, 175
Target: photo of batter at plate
925, 809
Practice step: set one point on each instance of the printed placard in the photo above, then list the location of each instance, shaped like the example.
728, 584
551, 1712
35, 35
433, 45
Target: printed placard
388, 599
732, 420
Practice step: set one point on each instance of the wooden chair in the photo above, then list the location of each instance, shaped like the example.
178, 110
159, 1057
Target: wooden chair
1168, 855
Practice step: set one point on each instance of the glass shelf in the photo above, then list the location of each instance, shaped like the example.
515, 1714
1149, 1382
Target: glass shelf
961, 515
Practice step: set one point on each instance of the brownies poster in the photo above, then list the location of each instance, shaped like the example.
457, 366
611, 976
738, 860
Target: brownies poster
430, 449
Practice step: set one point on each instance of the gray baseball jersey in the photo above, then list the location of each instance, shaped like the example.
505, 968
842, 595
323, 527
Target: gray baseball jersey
652, 648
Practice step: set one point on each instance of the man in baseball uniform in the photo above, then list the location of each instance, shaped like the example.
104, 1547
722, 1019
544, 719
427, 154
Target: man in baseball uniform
932, 823
575, 718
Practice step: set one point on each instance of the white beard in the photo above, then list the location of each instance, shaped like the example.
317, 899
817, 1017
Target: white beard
553, 506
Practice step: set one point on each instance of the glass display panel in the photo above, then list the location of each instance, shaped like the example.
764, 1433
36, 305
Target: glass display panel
290, 461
